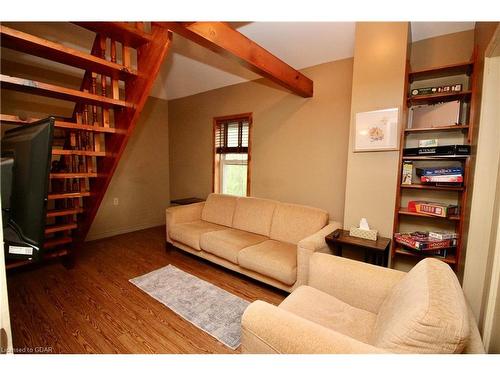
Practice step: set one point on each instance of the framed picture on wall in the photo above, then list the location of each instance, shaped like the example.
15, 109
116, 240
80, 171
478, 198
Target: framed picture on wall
377, 130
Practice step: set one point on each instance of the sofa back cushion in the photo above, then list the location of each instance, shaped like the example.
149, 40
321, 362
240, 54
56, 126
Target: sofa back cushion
219, 209
426, 312
292, 222
254, 215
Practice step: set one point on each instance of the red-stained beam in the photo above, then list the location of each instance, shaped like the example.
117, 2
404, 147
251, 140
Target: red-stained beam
222, 39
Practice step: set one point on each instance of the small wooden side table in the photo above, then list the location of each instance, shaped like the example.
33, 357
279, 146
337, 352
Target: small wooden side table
184, 201
376, 252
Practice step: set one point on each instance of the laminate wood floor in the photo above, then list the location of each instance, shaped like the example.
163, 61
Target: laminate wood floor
93, 308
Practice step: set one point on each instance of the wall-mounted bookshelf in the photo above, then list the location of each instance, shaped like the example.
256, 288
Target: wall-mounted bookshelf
453, 133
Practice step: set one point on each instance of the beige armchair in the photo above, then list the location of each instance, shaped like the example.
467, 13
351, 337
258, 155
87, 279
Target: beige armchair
354, 307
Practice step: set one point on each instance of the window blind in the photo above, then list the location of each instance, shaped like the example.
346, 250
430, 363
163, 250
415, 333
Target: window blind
231, 137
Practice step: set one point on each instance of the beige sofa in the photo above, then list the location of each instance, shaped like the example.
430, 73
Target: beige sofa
354, 307
267, 240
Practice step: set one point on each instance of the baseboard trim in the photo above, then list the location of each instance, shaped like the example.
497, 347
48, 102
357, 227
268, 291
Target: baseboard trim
116, 232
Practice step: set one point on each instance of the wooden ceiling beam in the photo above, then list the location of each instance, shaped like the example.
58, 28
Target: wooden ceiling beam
222, 39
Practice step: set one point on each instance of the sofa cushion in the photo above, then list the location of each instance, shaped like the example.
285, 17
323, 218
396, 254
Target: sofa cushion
425, 312
330, 312
219, 209
228, 243
189, 233
292, 222
275, 259
254, 215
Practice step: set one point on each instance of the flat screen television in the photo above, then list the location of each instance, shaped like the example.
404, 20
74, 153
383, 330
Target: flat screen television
25, 166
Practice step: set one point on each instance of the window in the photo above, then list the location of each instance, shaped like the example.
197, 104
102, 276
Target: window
232, 140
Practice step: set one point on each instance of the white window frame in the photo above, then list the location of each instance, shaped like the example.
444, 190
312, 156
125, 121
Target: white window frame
224, 162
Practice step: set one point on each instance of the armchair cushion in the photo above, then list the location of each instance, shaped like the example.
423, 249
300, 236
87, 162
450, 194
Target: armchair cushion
274, 259
330, 312
358, 284
189, 233
271, 329
426, 312
227, 243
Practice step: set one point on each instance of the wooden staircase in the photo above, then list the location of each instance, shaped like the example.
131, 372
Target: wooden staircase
112, 95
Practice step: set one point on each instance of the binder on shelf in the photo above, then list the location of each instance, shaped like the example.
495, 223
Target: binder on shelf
451, 150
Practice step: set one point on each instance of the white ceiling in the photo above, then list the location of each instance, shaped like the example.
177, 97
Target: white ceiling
191, 69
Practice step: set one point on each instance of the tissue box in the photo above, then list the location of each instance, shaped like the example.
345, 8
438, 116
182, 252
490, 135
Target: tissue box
370, 234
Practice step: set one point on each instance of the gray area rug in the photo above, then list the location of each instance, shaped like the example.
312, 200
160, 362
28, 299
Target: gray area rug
208, 307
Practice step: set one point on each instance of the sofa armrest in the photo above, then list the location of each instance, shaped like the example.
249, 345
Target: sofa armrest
359, 284
268, 329
310, 245
183, 214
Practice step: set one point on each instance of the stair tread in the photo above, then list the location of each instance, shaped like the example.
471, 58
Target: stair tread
59, 227
57, 241
76, 194
119, 31
11, 264
59, 92
73, 175
55, 254
57, 151
36, 46
11, 119
64, 212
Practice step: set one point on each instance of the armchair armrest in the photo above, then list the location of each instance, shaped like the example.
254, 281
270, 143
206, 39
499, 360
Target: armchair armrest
310, 245
359, 284
268, 329
183, 214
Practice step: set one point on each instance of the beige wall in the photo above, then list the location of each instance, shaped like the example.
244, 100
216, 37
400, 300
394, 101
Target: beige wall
380, 55
141, 180
299, 144
491, 324
494, 342
442, 50
482, 269
477, 269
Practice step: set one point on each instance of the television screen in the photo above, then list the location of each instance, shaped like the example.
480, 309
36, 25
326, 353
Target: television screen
26, 156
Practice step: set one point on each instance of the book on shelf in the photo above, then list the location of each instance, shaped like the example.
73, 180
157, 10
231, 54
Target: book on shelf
407, 173
428, 143
433, 208
439, 171
444, 178
451, 150
442, 235
456, 87
438, 253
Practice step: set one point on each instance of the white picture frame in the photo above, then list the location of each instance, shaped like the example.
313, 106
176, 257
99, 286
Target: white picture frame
377, 130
